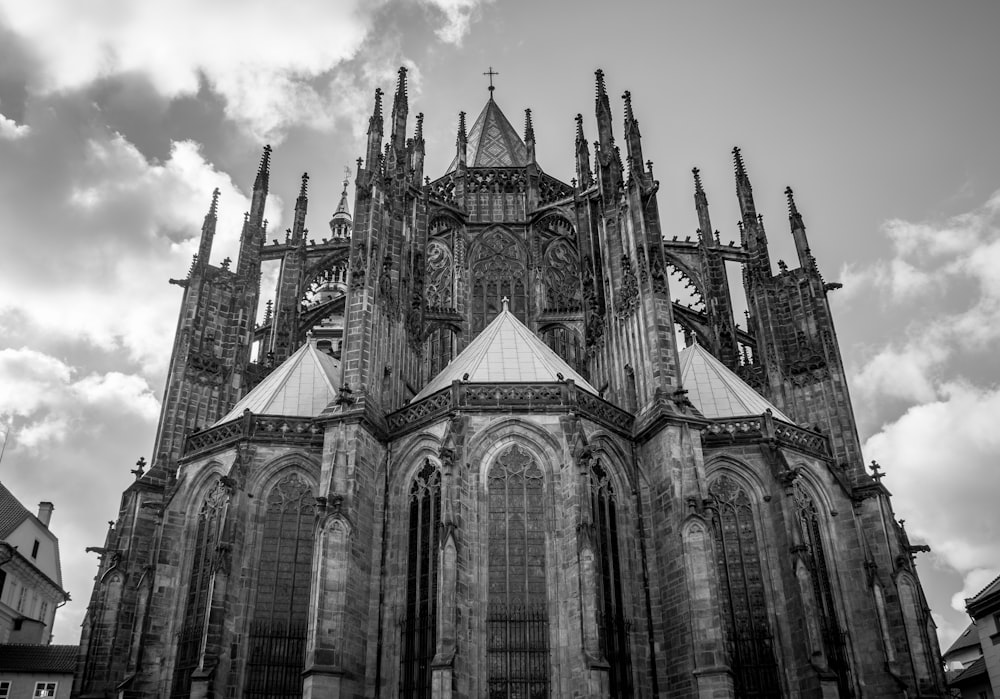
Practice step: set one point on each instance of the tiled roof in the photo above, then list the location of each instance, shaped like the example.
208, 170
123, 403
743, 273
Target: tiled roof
12, 512
716, 391
968, 639
23, 657
988, 590
506, 351
493, 142
976, 667
302, 386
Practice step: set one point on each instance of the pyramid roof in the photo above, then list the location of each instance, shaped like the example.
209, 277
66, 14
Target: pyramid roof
493, 142
716, 391
505, 351
301, 386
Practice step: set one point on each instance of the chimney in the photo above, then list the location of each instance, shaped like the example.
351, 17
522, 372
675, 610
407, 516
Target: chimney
45, 512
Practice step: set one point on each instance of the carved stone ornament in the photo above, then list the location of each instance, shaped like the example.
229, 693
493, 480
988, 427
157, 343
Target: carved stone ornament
628, 293
359, 267
440, 274
562, 277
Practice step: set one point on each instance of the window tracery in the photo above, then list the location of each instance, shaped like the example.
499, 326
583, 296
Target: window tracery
834, 644
419, 629
741, 589
196, 600
277, 638
499, 269
440, 274
563, 292
614, 626
517, 616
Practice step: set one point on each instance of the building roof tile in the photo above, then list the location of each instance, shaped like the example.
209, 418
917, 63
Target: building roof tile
716, 391
24, 657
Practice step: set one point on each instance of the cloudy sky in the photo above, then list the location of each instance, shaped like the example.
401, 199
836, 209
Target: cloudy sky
117, 120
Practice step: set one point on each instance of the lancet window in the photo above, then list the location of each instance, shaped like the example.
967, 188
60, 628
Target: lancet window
566, 344
741, 588
517, 616
499, 269
276, 654
419, 632
614, 625
834, 645
440, 347
196, 600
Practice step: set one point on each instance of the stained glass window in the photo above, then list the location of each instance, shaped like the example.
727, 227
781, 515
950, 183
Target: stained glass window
419, 633
498, 270
278, 631
614, 625
741, 588
517, 615
834, 644
196, 600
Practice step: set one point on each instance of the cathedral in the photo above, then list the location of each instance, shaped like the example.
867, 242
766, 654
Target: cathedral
475, 448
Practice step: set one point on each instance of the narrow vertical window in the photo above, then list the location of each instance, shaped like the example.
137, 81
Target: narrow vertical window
277, 640
741, 588
196, 600
517, 616
613, 625
419, 634
834, 644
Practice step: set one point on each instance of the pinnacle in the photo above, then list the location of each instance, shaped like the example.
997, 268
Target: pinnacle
738, 163
629, 117
529, 129
579, 127
792, 209
214, 208
697, 180
420, 127
305, 185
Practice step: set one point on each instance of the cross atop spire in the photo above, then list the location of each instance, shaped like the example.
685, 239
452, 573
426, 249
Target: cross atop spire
491, 73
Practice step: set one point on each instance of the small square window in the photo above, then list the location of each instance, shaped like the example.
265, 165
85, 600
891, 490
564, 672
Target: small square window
4, 689
45, 689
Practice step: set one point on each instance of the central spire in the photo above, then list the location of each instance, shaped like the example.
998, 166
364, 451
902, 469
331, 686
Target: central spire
493, 141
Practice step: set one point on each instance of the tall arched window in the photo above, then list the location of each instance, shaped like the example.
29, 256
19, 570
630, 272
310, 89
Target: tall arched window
440, 347
741, 588
277, 640
517, 617
614, 625
196, 601
834, 645
419, 633
566, 343
499, 269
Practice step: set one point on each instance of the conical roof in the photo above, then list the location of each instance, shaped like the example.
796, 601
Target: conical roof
301, 386
493, 142
716, 391
506, 351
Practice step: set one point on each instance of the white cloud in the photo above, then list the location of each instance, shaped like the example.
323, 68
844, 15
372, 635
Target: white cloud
957, 259
44, 404
11, 130
946, 451
123, 223
267, 60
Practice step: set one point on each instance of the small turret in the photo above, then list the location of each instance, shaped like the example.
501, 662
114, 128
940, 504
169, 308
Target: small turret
301, 204
701, 206
461, 142
252, 237
583, 174
340, 224
208, 230
633, 142
374, 150
798, 232
400, 110
609, 167
752, 224
417, 158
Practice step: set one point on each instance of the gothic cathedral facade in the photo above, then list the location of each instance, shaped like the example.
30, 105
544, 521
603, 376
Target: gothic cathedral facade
469, 457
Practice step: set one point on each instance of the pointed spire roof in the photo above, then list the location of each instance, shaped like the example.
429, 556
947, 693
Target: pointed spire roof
343, 211
493, 142
506, 351
301, 386
716, 391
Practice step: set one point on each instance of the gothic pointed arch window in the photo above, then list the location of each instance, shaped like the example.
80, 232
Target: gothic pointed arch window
517, 615
809, 523
741, 589
203, 548
419, 630
614, 626
499, 269
566, 343
277, 639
